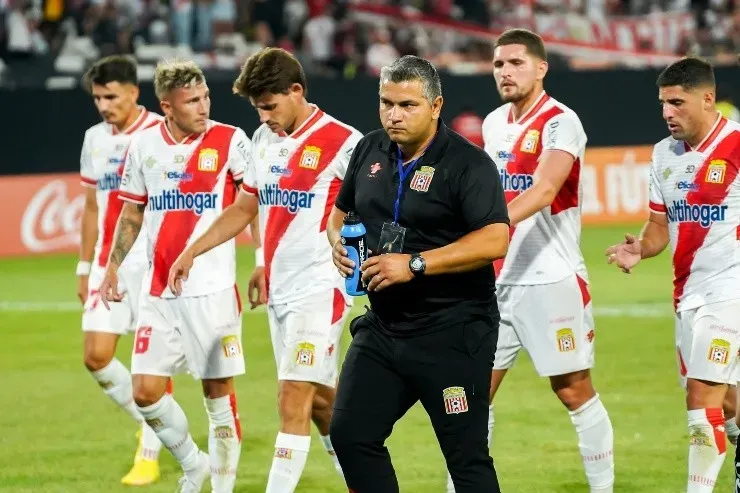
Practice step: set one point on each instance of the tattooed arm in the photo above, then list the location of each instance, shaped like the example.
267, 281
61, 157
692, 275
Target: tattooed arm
127, 230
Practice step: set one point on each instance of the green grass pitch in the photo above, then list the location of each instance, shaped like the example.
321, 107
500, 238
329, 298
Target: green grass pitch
59, 433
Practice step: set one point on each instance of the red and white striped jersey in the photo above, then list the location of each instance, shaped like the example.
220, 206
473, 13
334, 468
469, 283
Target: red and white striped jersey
185, 186
296, 179
544, 248
101, 166
699, 191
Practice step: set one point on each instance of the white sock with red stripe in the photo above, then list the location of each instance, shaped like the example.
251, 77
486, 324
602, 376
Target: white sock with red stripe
707, 447
169, 422
291, 452
224, 442
150, 444
596, 442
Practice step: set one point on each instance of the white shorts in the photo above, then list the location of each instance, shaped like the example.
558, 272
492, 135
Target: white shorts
121, 318
200, 335
707, 342
306, 336
553, 322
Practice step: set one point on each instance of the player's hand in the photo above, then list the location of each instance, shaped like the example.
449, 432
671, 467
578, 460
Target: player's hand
626, 254
381, 271
82, 288
179, 272
109, 288
257, 290
341, 261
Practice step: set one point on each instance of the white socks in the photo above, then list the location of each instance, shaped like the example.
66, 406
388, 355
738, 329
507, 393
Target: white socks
224, 442
326, 441
115, 380
291, 452
168, 421
707, 448
731, 430
596, 442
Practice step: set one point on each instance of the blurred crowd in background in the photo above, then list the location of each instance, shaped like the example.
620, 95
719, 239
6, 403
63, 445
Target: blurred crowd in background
344, 37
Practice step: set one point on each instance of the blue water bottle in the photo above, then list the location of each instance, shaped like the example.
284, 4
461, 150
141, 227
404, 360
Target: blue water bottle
355, 242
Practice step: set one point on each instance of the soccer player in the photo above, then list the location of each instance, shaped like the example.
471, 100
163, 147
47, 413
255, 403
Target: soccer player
695, 207
113, 84
298, 161
538, 145
178, 177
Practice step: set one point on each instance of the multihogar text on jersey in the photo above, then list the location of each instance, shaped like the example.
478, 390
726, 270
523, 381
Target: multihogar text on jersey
515, 182
291, 199
704, 214
175, 200
109, 181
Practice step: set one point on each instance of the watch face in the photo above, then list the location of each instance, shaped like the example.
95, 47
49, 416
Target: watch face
416, 263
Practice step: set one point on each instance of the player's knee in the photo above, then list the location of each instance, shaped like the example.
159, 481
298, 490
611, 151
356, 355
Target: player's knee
573, 390
146, 395
295, 400
96, 360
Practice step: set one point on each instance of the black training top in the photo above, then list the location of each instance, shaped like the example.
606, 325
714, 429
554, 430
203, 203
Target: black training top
454, 189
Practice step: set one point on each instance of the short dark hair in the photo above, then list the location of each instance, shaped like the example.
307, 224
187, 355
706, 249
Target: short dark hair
115, 68
410, 67
688, 73
531, 40
270, 70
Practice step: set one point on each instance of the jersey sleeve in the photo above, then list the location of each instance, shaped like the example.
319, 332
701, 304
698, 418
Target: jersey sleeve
564, 132
239, 149
345, 201
655, 196
249, 175
345, 154
87, 173
481, 195
133, 187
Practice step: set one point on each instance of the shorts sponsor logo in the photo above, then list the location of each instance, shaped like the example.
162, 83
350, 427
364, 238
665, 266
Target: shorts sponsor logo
455, 400
283, 453
305, 354
231, 346
208, 160
716, 171
529, 143
566, 340
310, 157
422, 179
719, 351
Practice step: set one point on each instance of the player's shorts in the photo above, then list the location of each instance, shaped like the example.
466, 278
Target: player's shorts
200, 335
306, 336
707, 343
121, 318
553, 322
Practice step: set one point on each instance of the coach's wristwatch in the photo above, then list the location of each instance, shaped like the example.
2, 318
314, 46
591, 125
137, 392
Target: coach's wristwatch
417, 264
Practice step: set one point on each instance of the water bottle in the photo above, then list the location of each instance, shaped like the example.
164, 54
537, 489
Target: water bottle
355, 242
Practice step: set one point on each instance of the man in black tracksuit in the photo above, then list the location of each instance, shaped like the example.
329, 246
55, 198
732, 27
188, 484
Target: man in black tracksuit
436, 218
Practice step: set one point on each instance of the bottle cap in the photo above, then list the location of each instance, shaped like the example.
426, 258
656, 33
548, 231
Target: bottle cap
351, 218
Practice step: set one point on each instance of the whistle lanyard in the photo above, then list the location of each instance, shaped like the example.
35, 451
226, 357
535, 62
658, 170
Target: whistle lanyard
402, 174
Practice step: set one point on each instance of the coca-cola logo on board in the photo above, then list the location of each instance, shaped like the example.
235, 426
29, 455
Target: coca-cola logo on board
52, 220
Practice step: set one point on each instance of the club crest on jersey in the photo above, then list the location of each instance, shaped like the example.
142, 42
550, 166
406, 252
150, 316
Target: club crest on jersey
719, 351
310, 157
716, 171
208, 160
455, 400
422, 179
231, 346
305, 353
529, 143
566, 340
